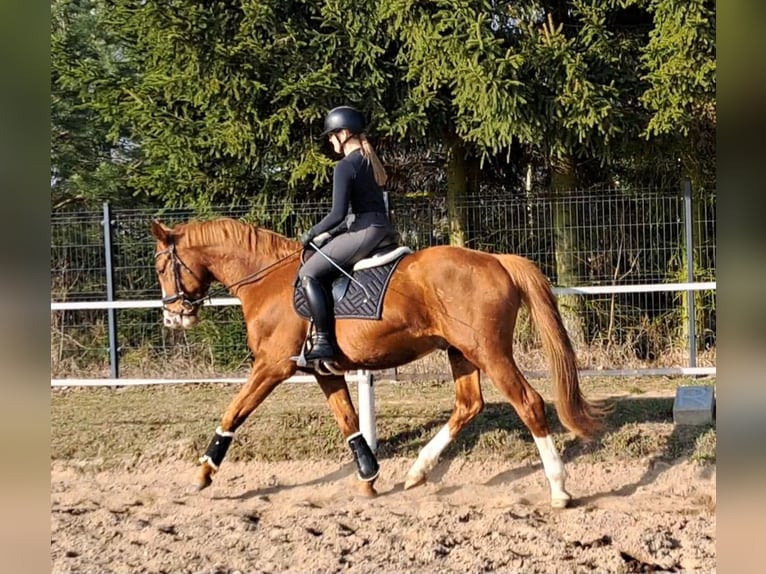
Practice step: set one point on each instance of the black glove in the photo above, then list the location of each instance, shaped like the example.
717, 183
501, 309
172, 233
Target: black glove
306, 238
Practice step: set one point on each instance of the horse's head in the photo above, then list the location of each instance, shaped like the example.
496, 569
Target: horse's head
183, 279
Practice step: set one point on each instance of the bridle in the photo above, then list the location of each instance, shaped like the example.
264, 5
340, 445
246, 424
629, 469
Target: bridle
189, 305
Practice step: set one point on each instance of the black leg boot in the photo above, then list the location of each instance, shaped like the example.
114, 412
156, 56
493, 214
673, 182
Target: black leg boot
322, 312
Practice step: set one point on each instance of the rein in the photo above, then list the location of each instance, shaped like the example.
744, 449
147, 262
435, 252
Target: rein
250, 278
190, 303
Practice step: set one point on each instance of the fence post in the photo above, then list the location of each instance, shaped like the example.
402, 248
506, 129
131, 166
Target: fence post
689, 226
114, 359
367, 424
431, 238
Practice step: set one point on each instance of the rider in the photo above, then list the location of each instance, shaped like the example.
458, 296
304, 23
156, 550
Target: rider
357, 182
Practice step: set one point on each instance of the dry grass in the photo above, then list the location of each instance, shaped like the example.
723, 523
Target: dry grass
144, 363
105, 427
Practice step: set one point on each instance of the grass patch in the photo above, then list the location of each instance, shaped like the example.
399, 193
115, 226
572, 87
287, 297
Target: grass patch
119, 426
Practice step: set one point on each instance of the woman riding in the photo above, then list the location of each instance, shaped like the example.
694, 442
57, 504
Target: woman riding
357, 195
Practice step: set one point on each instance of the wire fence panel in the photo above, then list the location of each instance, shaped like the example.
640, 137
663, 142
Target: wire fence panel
578, 239
78, 260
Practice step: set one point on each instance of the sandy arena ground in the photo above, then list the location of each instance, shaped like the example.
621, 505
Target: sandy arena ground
301, 517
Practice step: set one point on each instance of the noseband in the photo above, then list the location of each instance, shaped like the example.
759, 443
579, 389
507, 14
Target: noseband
189, 304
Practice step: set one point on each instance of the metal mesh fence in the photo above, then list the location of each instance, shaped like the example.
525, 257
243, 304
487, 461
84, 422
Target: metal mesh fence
612, 237
578, 239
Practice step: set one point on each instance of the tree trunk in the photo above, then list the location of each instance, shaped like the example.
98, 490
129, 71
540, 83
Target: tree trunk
563, 179
457, 188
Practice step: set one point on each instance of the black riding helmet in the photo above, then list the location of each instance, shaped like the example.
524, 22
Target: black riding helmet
343, 118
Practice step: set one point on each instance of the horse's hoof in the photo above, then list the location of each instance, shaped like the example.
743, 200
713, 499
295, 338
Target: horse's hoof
560, 502
204, 478
200, 486
367, 489
413, 481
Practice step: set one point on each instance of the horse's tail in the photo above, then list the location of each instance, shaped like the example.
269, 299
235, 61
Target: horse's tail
575, 412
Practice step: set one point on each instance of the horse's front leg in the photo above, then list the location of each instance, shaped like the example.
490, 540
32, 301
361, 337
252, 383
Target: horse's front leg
262, 380
335, 389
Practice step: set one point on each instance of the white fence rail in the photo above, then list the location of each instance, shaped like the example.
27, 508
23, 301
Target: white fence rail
223, 301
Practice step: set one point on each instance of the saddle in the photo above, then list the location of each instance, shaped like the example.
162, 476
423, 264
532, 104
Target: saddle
362, 297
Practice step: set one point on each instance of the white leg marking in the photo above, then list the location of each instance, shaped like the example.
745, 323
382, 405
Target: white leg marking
428, 457
554, 470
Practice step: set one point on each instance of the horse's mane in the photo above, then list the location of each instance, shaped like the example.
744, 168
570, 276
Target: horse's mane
231, 232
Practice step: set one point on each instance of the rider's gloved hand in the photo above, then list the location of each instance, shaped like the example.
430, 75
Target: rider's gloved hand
306, 239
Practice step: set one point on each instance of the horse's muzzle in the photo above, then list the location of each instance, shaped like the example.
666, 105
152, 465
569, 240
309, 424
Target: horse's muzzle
173, 320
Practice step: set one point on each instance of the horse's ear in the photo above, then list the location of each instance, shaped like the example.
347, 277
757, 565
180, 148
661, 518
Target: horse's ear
161, 231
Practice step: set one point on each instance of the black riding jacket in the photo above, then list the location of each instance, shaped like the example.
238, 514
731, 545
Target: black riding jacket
354, 191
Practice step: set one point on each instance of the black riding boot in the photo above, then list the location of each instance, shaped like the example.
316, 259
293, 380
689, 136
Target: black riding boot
321, 308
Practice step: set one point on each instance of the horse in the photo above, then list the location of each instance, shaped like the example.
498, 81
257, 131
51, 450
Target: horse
449, 298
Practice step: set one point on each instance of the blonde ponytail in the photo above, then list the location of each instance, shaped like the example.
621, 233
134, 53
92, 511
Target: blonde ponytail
377, 167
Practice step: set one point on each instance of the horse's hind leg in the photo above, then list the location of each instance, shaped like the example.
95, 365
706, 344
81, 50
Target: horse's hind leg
260, 383
335, 390
531, 409
468, 404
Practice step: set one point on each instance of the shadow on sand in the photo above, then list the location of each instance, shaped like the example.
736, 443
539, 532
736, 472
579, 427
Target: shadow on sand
501, 417
627, 411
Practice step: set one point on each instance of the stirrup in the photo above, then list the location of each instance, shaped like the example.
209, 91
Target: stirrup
320, 366
325, 368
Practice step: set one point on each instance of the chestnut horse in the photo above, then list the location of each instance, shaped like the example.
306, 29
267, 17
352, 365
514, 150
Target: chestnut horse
451, 298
